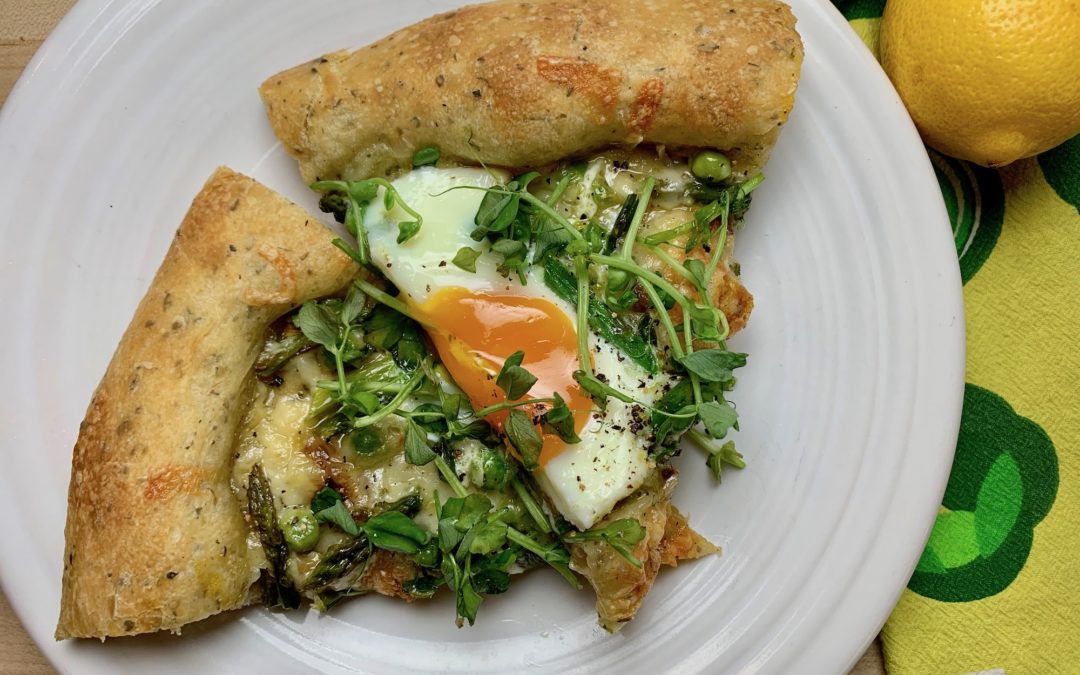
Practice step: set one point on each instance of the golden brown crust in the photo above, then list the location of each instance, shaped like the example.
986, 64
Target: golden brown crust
620, 586
527, 83
386, 572
726, 291
680, 541
155, 537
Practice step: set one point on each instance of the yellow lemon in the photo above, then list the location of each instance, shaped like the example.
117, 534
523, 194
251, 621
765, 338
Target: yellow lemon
989, 81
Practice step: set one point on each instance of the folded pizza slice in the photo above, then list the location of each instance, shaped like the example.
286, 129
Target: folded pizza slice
156, 537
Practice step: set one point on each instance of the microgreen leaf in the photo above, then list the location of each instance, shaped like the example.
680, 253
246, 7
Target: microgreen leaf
449, 536
487, 537
514, 254
365, 400
713, 365
509, 248
727, 454
731, 456
430, 417
324, 499
318, 325
497, 210
622, 535
407, 229
550, 237
363, 191
718, 418
417, 450
523, 436
706, 321
666, 416
353, 306
465, 258
513, 379
329, 507
489, 574
696, 268
560, 419
395, 531
385, 327
468, 600
451, 405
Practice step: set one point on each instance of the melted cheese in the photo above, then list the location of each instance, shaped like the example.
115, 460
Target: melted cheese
277, 434
276, 431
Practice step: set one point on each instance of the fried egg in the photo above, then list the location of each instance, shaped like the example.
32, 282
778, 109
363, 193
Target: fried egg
478, 319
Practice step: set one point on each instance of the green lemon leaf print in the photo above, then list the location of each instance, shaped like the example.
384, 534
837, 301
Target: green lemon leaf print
1003, 483
975, 201
1061, 166
860, 9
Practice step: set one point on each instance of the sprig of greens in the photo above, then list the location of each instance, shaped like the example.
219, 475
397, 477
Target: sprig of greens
383, 369
622, 535
348, 200
513, 379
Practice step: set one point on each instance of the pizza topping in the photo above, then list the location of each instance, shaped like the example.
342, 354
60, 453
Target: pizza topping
280, 591
710, 166
300, 528
441, 434
425, 156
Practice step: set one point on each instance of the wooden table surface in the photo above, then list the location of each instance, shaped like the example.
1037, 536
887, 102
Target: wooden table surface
24, 24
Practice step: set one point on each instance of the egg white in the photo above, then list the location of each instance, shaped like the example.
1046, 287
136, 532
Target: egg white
587, 479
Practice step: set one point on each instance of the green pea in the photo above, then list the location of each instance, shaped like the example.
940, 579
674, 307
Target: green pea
300, 528
366, 441
710, 166
496, 470
425, 156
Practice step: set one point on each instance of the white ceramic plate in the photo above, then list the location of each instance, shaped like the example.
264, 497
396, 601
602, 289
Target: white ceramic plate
849, 406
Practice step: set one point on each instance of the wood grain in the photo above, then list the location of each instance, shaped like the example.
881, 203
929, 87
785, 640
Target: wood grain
24, 24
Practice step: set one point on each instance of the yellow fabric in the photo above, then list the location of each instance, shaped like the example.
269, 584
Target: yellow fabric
998, 588
1023, 327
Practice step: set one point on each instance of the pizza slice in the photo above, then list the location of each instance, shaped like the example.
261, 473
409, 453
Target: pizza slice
491, 372
156, 537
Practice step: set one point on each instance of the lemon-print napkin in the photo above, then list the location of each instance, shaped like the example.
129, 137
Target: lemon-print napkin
997, 589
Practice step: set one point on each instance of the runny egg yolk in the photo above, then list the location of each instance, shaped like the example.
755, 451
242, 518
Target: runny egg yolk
478, 331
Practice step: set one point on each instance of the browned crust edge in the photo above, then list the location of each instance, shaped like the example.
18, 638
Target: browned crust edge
155, 538
525, 83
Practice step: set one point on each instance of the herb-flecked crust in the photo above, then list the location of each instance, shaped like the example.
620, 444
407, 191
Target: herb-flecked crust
155, 538
522, 84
